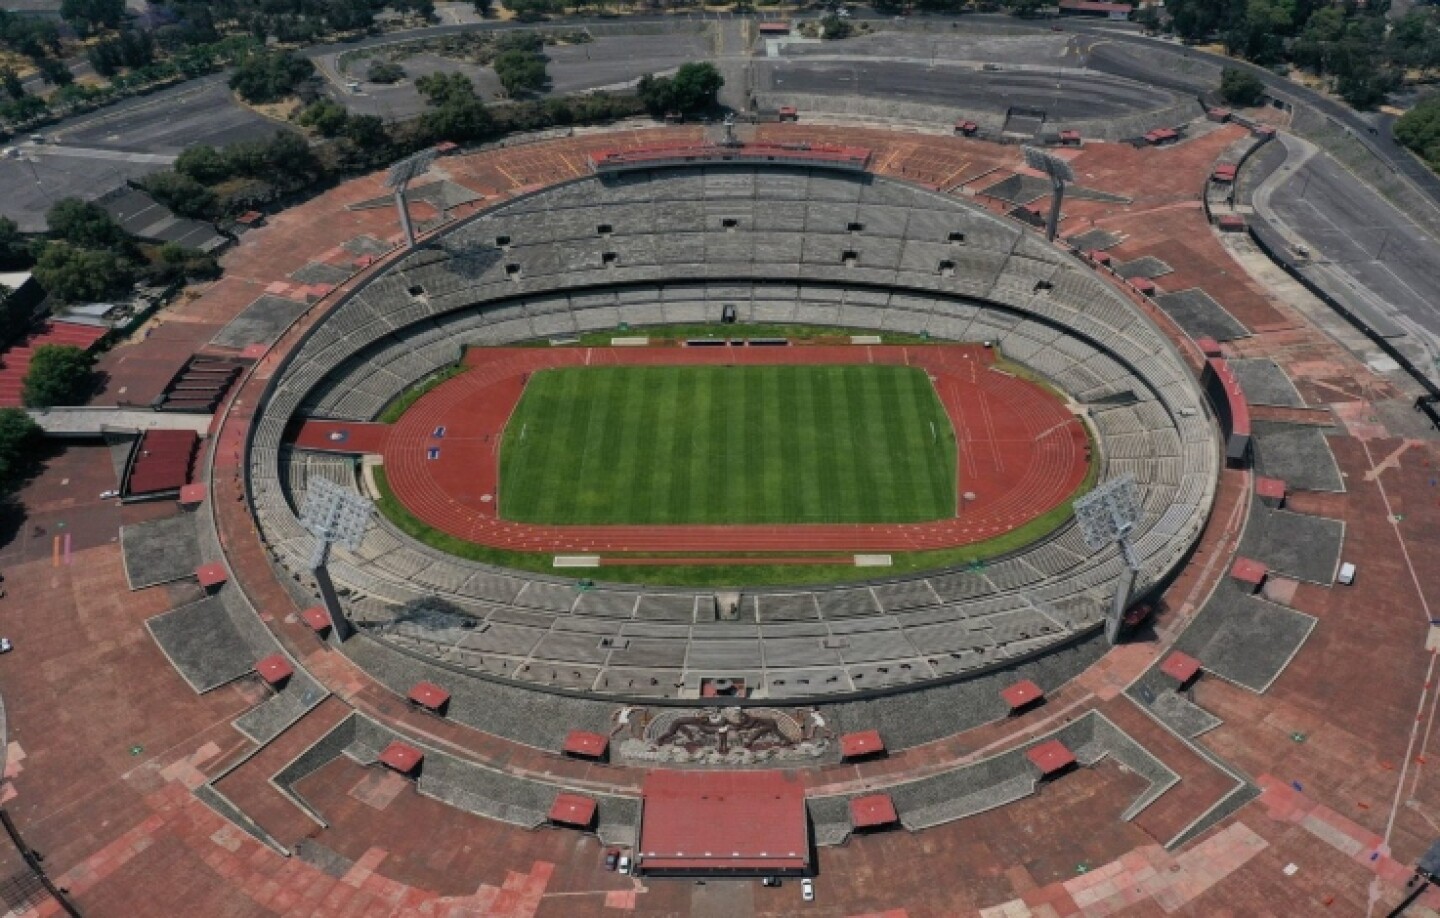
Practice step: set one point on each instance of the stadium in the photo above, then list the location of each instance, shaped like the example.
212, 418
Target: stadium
648, 517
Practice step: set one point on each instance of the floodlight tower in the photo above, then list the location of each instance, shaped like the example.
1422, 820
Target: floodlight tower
1106, 516
334, 516
399, 178
730, 140
1060, 172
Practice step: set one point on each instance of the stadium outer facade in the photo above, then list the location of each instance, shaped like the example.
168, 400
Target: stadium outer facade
677, 238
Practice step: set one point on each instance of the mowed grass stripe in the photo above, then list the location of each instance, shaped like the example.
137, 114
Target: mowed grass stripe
753, 444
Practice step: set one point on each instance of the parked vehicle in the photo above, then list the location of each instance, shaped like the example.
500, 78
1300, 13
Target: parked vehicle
807, 889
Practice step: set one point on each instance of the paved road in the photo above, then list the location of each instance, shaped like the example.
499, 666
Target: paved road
1363, 251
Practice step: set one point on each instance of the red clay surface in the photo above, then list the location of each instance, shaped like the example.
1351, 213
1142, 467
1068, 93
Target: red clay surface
1021, 453
15, 361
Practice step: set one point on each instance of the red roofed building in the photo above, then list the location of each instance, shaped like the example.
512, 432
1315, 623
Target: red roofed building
585, 745
316, 619
401, 757
1050, 757
861, 744
1162, 136
789, 113
192, 495
1271, 491
429, 696
873, 812
774, 27
161, 462
1143, 284
1231, 223
1249, 572
1070, 138
211, 574
1181, 667
573, 810
275, 669
723, 823
1224, 173
1021, 695
967, 128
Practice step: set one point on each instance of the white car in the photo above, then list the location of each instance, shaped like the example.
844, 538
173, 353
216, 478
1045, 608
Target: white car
807, 889
624, 866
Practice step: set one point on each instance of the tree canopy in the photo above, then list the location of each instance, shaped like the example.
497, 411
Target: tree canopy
270, 76
78, 275
84, 224
59, 374
19, 444
693, 88
1419, 129
1240, 87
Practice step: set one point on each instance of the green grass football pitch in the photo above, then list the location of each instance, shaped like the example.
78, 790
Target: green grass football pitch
705, 444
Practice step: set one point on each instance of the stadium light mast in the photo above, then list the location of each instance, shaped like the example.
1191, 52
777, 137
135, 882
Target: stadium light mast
1060, 172
399, 178
333, 515
1106, 516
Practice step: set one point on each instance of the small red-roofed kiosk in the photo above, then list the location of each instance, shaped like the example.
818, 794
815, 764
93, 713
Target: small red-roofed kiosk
402, 757
1224, 173
211, 575
446, 146
1181, 667
789, 113
1271, 491
250, 219
275, 670
573, 810
1022, 695
966, 128
1100, 258
1070, 138
1231, 223
316, 619
1051, 757
1249, 573
582, 744
192, 495
861, 745
430, 697
876, 811
1218, 115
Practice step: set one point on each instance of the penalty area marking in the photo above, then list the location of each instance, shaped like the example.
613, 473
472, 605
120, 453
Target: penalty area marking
873, 561
577, 561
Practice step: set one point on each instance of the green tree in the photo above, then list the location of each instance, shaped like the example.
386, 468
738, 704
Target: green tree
55, 72
366, 132
80, 275
1025, 9
203, 163
10, 81
696, 86
833, 28
85, 224
88, 15
1419, 129
385, 72
270, 76
59, 374
14, 251
483, 7
442, 88
1240, 87
520, 71
325, 116
182, 194
20, 440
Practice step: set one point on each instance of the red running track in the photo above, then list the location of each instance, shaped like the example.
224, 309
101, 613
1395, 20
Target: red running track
1021, 453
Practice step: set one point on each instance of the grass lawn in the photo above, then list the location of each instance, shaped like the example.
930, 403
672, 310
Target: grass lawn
752, 444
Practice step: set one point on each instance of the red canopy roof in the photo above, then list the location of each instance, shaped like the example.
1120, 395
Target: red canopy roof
572, 810
724, 821
1143, 284
429, 695
316, 617
192, 494
583, 742
871, 811
211, 574
274, 669
864, 742
1050, 756
1102, 258
1272, 488
1248, 570
1021, 693
1180, 666
402, 757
